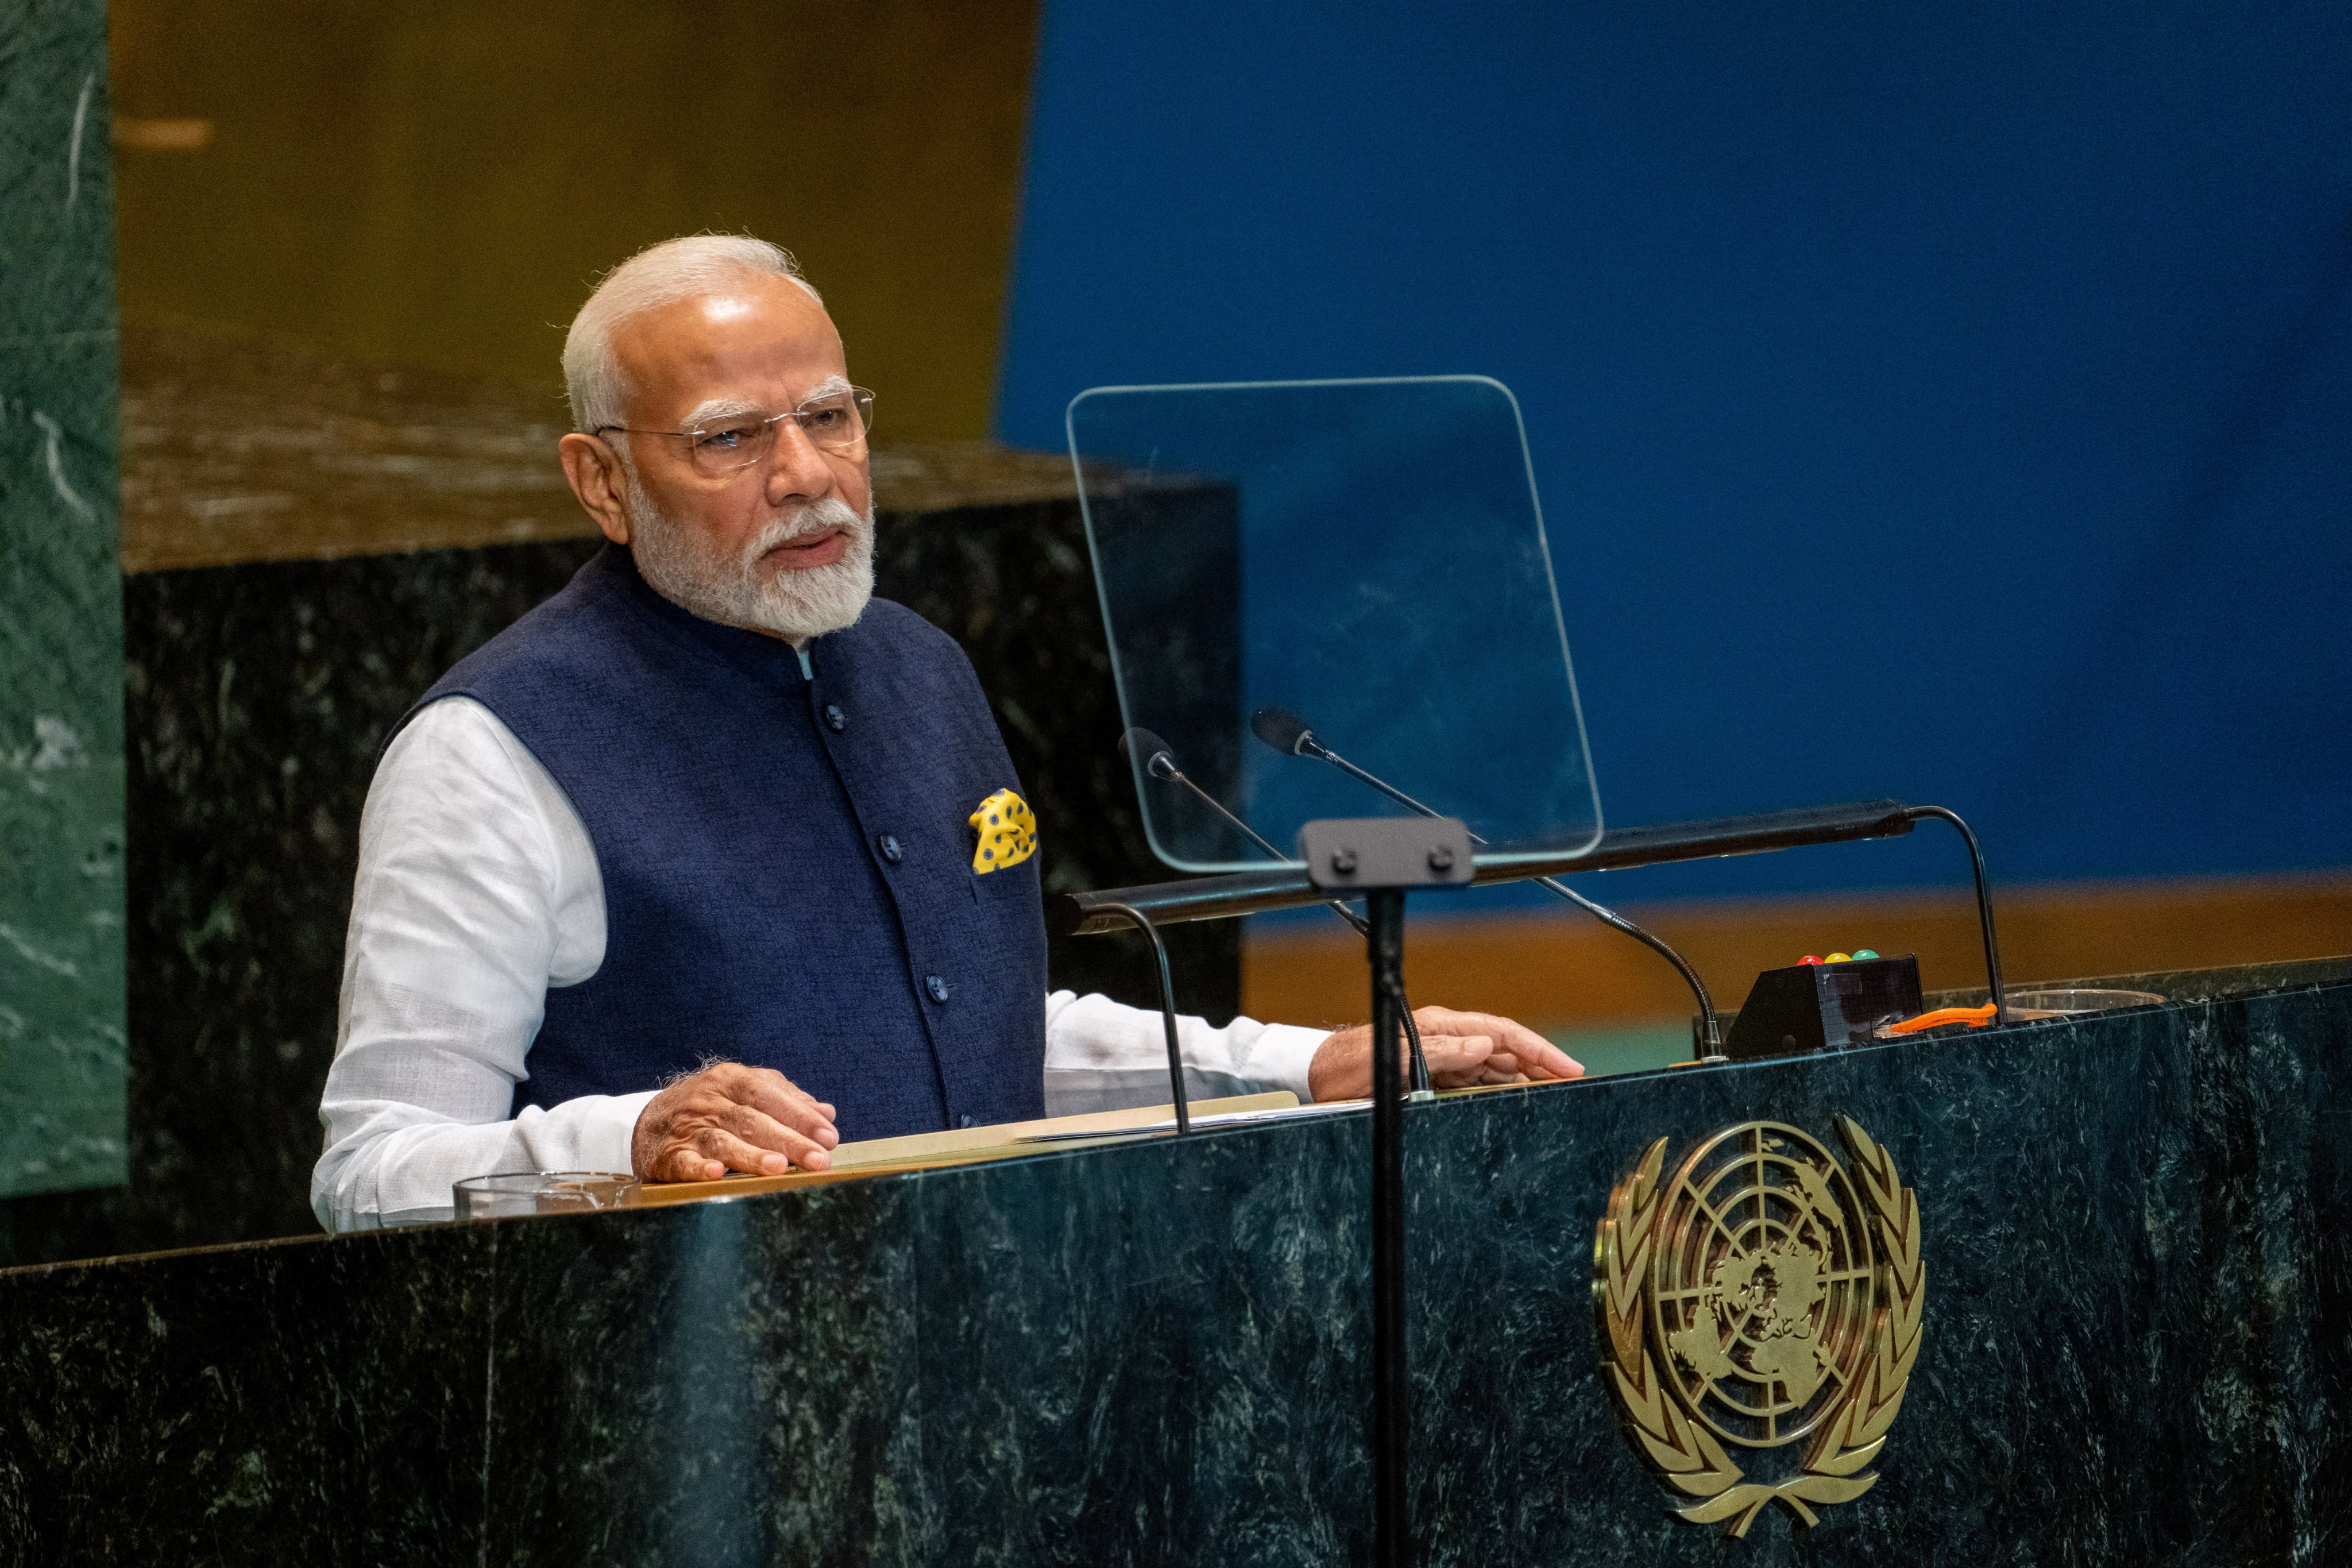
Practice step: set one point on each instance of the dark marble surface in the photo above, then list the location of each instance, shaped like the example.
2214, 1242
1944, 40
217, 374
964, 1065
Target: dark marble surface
61, 832
288, 1403
728, 1441
2138, 1287
1153, 1355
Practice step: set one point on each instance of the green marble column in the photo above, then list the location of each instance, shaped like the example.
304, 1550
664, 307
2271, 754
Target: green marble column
61, 835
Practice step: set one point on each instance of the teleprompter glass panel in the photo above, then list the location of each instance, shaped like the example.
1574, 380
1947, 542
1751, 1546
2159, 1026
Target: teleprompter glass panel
1297, 572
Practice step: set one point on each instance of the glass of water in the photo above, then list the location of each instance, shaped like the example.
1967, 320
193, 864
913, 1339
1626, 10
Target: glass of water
513, 1193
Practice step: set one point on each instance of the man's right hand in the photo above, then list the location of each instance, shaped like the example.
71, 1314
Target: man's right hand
729, 1117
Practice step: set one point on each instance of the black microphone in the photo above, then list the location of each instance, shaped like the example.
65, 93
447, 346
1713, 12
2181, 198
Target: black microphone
1159, 762
1286, 732
1157, 759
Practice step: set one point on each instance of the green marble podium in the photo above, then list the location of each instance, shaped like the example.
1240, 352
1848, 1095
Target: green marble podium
2135, 1225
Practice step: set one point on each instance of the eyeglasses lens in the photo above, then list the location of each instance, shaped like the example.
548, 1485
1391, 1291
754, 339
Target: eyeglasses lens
830, 424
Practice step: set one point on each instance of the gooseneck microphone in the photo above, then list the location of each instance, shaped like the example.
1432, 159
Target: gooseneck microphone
1159, 762
1286, 732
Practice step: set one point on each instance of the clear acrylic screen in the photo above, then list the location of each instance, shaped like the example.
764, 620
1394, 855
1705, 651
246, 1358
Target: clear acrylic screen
1368, 556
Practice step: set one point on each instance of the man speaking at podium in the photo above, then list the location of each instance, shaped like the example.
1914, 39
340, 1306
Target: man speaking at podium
714, 861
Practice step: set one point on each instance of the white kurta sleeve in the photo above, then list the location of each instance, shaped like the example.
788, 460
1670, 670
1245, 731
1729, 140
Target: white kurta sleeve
478, 889
1101, 1055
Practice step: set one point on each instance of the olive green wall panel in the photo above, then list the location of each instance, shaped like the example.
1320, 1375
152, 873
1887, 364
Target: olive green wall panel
439, 182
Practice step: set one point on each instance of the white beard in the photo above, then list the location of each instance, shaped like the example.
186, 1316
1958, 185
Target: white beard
734, 590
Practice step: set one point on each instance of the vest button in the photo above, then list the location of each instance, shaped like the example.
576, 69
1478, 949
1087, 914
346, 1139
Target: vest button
890, 848
936, 986
967, 1119
834, 719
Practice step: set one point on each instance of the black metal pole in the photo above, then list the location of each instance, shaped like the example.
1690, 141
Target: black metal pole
1984, 907
1143, 922
1710, 1031
1282, 887
1391, 1417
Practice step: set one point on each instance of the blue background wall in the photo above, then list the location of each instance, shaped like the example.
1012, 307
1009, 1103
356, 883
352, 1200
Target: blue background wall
1953, 402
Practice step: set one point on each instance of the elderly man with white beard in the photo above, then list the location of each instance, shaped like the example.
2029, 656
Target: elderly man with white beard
713, 860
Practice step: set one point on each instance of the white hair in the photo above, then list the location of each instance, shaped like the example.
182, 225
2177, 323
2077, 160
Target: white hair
657, 276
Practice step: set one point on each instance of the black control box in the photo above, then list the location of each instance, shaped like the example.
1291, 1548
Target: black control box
1817, 1007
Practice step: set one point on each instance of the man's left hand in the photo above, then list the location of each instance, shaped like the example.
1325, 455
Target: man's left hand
1462, 1049
729, 1117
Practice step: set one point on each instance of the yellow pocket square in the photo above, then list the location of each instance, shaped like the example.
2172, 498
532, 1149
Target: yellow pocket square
1008, 834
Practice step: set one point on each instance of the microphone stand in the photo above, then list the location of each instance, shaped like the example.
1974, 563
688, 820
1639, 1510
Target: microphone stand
1306, 746
1984, 904
1391, 1388
1143, 922
1384, 856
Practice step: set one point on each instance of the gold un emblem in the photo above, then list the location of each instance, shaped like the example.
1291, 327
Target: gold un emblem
1766, 1294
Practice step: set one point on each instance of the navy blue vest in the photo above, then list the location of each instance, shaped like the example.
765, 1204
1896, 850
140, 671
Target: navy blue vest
787, 861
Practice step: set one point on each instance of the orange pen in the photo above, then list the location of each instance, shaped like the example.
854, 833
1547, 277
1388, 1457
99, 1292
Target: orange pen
1974, 1018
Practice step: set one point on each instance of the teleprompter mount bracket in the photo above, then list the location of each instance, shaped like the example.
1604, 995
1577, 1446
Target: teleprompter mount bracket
1356, 853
